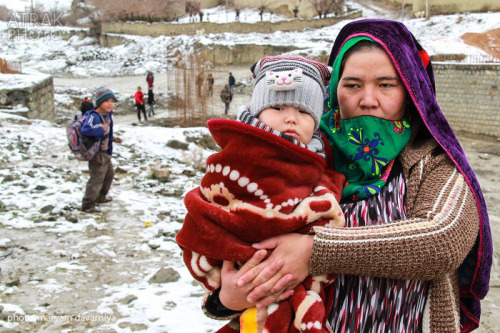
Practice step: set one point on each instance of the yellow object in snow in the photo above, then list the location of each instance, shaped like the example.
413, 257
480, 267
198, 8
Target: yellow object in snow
147, 224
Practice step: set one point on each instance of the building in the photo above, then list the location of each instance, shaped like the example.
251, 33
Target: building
435, 7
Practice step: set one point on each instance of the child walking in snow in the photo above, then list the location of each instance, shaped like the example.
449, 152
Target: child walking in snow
99, 125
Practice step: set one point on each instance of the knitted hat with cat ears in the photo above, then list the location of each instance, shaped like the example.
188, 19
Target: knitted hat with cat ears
289, 80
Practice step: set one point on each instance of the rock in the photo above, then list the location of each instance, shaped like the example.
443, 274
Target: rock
169, 305
160, 173
120, 170
165, 192
153, 245
176, 144
170, 234
117, 139
46, 209
13, 283
8, 178
178, 192
203, 140
40, 188
72, 218
2, 207
128, 299
73, 177
165, 275
133, 327
188, 172
31, 174
4, 99
34, 278
485, 156
164, 213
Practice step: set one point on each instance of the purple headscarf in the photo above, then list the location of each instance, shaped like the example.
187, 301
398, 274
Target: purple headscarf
414, 67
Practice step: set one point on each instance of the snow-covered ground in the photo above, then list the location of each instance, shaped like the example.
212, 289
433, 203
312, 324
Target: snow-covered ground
66, 264
42, 188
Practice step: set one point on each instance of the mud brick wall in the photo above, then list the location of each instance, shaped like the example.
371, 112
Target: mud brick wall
173, 29
34, 93
469, 97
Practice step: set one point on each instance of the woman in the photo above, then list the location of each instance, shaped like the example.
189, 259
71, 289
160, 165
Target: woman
417, 255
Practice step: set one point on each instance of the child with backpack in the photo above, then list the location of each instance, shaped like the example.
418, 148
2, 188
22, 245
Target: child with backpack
99, 126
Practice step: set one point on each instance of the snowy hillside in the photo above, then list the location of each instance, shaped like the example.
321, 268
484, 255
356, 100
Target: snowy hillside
441, 34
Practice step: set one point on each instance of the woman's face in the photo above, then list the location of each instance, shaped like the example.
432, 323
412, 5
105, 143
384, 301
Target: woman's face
370, 85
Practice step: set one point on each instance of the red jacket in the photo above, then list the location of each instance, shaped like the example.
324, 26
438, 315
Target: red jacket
139, 97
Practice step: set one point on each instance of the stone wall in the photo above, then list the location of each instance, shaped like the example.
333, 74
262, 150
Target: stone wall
240, 54
451, 6
469, 97
28, 95
173, 29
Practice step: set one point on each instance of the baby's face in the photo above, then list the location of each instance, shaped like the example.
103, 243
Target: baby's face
289, 120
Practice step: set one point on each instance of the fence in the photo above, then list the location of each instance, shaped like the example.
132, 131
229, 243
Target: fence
191, 103
466, 59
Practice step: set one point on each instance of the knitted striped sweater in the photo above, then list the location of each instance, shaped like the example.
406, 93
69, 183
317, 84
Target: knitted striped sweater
431, 244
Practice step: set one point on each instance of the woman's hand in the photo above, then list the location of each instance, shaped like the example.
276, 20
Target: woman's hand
275, 277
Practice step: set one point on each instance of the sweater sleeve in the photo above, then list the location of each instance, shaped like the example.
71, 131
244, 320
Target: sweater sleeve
441, 229
93, 126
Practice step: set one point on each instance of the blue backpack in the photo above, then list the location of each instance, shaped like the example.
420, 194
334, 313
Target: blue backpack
83, 147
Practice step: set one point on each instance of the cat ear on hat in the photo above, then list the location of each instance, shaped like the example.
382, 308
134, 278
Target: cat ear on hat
255, 68
326, 80
425, 57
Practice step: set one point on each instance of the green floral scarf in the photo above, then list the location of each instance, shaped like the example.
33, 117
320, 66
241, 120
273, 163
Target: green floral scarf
364, 149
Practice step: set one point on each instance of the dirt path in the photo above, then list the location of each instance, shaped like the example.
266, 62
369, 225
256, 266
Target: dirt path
488, 41
100, 266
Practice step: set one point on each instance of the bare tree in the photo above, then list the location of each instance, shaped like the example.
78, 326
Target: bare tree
263, 4
295, 10
325, 7
148, 10
193, 8
236, 5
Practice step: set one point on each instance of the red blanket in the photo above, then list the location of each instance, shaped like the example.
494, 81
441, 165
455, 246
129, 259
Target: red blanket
258, 186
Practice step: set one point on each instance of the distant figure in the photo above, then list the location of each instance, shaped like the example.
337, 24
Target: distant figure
210, 82
232, 82
199, 82
87, 105
226, 97
150, 78
139, 104
151, 102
